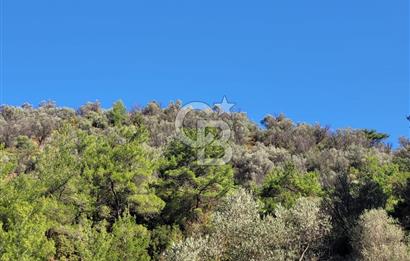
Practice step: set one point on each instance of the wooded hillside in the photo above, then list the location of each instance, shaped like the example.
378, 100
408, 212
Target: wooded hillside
95, 184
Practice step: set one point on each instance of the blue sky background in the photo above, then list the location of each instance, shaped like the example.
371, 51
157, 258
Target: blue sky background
340, 63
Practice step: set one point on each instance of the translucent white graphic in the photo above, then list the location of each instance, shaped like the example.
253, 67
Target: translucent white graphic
202, 139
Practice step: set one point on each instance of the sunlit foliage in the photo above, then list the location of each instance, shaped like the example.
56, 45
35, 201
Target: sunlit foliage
118, 184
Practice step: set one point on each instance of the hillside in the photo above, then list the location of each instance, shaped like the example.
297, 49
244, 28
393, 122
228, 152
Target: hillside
111, 184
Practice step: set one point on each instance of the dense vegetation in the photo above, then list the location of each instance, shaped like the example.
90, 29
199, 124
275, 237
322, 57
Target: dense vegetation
97, 184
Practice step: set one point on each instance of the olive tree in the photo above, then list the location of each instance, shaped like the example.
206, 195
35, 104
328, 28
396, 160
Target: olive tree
378, 237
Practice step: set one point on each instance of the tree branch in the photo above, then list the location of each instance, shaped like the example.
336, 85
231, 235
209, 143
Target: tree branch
303, 254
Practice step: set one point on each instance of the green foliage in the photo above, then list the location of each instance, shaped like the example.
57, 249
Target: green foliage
162, 238
97, 184
129, 240
118, 114
126, 241
7, 163
387, 176
24, 221
285, 185
24, 238
345, 202
60, 172
189, 188
121, 172
402, 209
375, 137
402, 155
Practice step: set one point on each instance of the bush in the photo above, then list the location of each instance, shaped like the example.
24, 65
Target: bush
239, 233
378, 237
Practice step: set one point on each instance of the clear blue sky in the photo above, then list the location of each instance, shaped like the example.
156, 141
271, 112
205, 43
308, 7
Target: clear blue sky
342, 63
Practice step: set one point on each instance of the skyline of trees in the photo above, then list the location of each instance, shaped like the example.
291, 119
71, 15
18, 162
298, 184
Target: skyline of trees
113, 184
